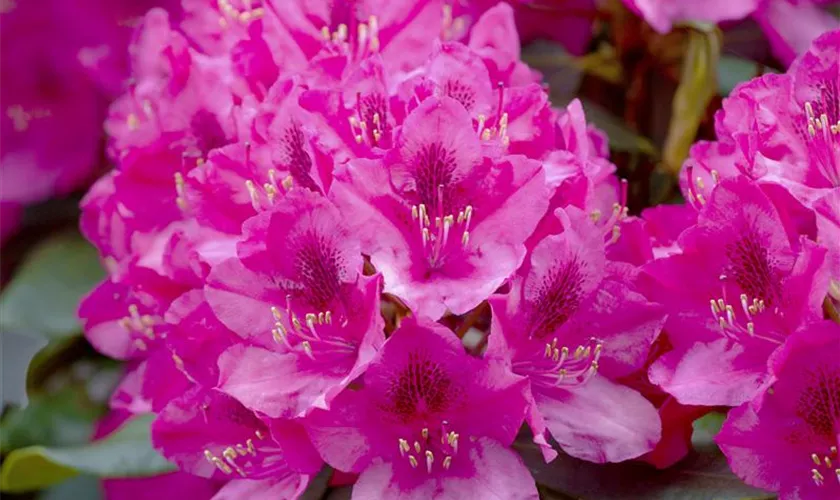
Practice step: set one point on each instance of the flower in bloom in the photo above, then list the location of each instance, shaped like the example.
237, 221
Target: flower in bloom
783, 129
786, 440
754, 280
571, 327
296, 293
442, 216
790, 25
210, 434
428, 421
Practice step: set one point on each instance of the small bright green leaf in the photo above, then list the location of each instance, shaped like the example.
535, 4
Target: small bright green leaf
126, 453
734, 70
44, 293
698, 84
705, 430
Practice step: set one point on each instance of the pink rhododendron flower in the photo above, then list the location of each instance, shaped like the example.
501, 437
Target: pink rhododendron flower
571, 328
428, 422
296, 292
211, 435
786, 439
754, 280
444, 222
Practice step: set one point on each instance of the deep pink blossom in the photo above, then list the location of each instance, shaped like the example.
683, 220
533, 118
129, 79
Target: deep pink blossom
296, 293
786, 439
441, 220
753, 279
572, 327
211, 435
429, 421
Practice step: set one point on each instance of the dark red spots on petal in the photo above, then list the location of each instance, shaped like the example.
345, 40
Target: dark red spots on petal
434, 166
422, 388
296, 158
461, 92
754, 269
819, 403
320, 269
559, 296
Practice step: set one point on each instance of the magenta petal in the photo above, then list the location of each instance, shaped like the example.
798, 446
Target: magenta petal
289, 487
712, 373
585, 422
487, 458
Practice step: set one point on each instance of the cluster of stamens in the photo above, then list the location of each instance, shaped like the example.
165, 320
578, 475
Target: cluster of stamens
245, 15
142, 324
269, 190
227, 462
21, 118
729, 322
452, 28
435, 238
696, 187
366, 42
829, 462
303, 335
573, 368
424, 448
824, 148
364, 132
611, 225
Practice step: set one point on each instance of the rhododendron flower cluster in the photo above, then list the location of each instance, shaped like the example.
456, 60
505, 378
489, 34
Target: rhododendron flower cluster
363, 238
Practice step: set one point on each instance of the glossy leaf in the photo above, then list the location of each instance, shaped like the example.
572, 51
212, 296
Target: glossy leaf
125, 453
44, 293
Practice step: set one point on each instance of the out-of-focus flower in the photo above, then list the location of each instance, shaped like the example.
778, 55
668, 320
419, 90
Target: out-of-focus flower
786, 439
790, 25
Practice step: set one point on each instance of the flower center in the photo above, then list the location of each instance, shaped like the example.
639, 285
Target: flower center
140, 327
560, 366
243, 11
823, 143
827, 464
317, 333
430, 450
237, 457
358, 43
439, 240
370, 124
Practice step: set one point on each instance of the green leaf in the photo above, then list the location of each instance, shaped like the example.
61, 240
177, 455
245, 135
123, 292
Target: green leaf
698, 84
76, 488
125, 453
700, 476
733, 70
620, 136
63, 418
43, 295
705, 430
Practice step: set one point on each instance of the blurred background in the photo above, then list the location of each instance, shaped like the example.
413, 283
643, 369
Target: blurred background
62, 63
